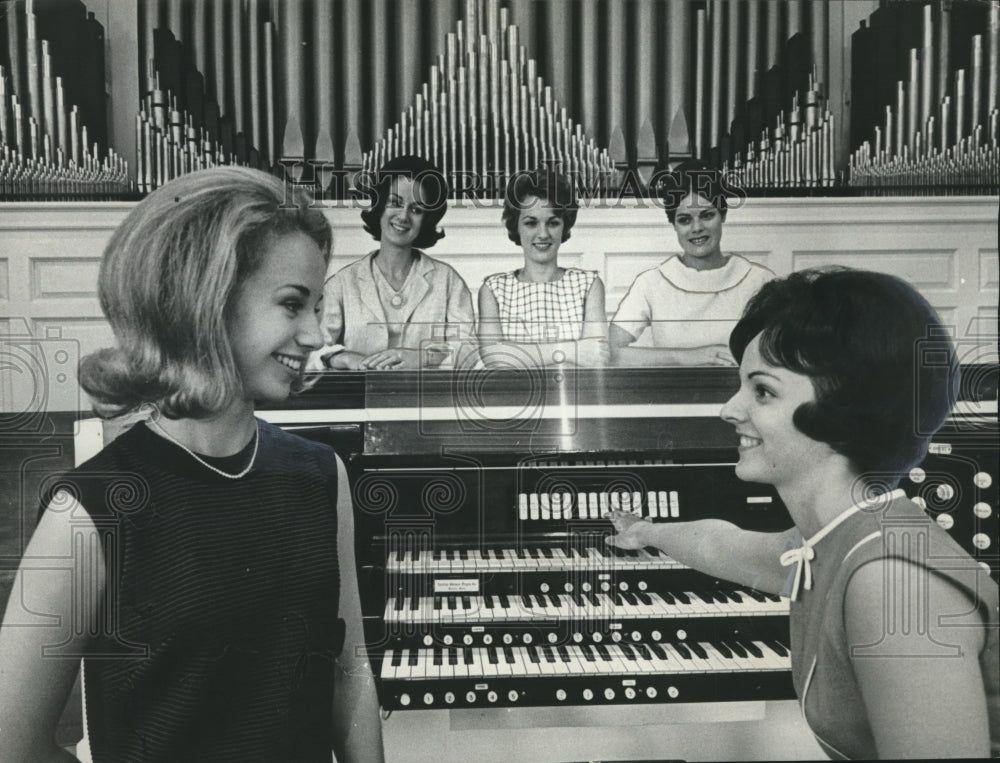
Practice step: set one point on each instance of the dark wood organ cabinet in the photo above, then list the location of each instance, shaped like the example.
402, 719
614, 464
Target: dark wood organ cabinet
485, 580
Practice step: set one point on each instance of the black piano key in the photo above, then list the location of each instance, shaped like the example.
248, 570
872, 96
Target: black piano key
398, 606
437, 655
508, 655
452, 602
414, 603
755, 595
412, 661
777, 646
526, 600
627, 651
574, 553
643, 651
771, 597
603, 652
488, 601
452, 656
668, 597
547, 652
737, 648
735, 596
588, 653
658, 650
577, 598
722, 649
630, 598
541, 600
556, 599
483, 554
546, 552
533, 654
438, 555
682, 648
437, 602
504, 601
618, 598
397, 657
467, 655
463, 554
682, 597
491, 654
752, 648
592, 598
645, 598
466, 603
698, 649
522, 553
563, 654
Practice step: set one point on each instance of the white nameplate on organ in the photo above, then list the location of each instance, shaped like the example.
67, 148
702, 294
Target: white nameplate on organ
759, 499
456, 585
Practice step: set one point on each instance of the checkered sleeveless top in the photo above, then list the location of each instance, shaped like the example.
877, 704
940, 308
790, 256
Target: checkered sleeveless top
542, 312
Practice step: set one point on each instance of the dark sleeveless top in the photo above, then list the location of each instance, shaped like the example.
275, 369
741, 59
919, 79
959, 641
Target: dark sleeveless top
822, 670
219, 628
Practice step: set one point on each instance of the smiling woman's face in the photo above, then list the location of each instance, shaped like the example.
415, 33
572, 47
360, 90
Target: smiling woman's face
698, 225
403, 215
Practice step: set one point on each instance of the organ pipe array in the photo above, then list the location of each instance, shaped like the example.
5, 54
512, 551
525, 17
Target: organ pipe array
51, 90
929, 122
485, 113
614, 91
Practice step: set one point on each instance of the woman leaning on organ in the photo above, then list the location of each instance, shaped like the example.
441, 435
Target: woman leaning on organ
542, 313
396, 306
894, 627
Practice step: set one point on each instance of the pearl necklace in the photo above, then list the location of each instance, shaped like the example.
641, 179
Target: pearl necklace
203, 462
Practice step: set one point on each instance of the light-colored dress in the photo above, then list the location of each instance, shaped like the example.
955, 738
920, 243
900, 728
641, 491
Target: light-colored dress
690, 308
542, 312
365, 314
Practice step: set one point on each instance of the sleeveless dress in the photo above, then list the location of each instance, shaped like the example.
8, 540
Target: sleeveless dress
542, 312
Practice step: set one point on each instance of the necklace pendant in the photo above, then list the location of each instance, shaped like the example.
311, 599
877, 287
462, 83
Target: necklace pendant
396, 300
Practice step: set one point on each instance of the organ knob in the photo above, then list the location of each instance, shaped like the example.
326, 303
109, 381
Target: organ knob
568, 587
508, 639
981, 541
605, 586
513, 696
487, 639
656, 636
946, 521
636, 636
577, 637
448, 640
609, 693
982, 479
428, 699
585, 587
630, 692
945, 491
642, 585
622, 586
527, 638
616, 637
561, 695
449, 697
404, 699
588, 694
982, 510
428, 640
651, 692
681, 634
467, 639
917, 475
672, 692
491, 696
544, 588
470, 697
598, 638
553, 638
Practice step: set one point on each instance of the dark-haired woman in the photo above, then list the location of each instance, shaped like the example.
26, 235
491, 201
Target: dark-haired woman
894, 631
396, 304
691, 301
552, 314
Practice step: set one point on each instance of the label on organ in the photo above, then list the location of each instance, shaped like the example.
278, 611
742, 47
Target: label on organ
456, 585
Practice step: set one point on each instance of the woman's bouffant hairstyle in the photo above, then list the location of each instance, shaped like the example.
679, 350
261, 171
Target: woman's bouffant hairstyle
882, 366
167, 281
545, 184
430, 191
694, 176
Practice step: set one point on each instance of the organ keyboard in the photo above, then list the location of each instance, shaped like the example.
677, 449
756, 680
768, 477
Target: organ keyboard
483, 568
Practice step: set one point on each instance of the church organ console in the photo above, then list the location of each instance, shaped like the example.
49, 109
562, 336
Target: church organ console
483, 571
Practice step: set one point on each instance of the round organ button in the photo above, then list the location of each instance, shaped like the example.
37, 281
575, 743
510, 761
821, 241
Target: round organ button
945, 491
568, 587
467, 639
605, 586
561, 695
492, 696
642, 585
544, 588
681, 634
428, 699
622, 586
449, 697
946, 521
508, 639
656, 636
917, 475
487, 639
636, 636
470, 697
588, 694
630, 693
982, 510
553, 638
981, 541
577, 637
982, 479
404, 700
672, 692
585, 586
651, 692
598, 638
609, 693
616, 637
527, 638
448, 640
512, 695
428, 640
